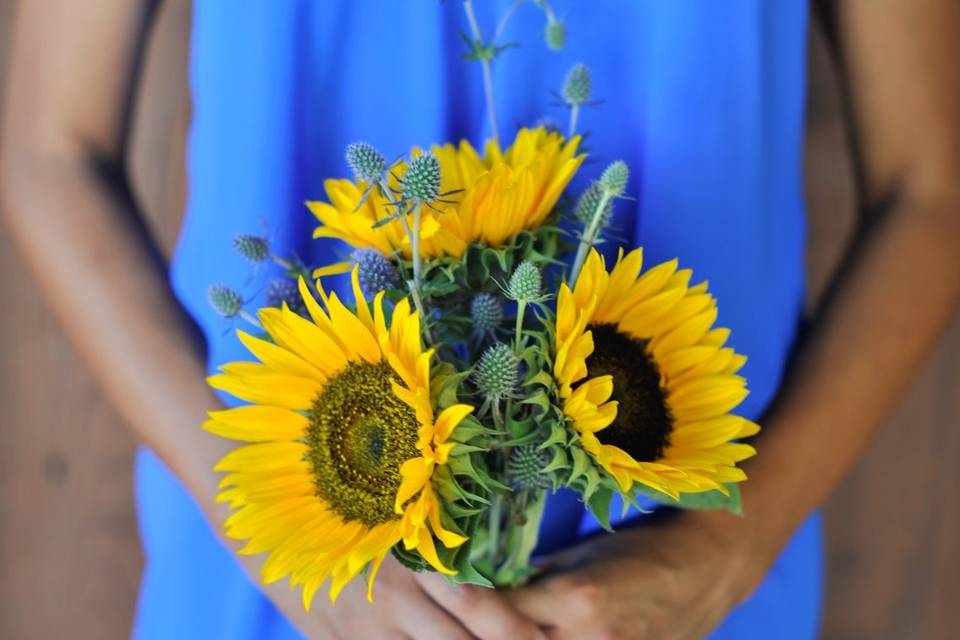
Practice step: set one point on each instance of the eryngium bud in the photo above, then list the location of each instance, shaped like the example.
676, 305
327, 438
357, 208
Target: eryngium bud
375, 271
256, 249
555, 35
526, 282
614, 178
224, 300
578, 85
525, 466
497, 372
587, 205
284, 290
486, 312
422, 182
365, 161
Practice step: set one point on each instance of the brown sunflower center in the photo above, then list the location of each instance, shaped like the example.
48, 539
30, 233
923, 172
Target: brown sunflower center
359, 435
643, 423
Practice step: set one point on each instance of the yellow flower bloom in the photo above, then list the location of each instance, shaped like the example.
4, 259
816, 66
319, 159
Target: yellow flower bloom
343, 443
502, 194
646, 380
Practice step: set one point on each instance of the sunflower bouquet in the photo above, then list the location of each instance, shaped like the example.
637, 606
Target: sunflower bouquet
485, 355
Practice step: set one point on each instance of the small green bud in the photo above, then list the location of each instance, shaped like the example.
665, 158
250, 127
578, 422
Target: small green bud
526, 283
498, 371
486, 312
614, 178
285, 291
375, 271
224, 300
256, 249
578, 85
365, 161
555, 35
587, 205
525, 466
422, 182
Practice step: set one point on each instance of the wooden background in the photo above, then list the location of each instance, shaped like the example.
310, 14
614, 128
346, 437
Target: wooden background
69, 553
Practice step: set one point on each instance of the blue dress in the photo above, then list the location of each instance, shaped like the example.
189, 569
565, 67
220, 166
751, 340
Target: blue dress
704, 100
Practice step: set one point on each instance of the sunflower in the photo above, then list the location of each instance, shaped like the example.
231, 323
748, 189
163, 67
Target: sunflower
343, 443
645, 379
501, 194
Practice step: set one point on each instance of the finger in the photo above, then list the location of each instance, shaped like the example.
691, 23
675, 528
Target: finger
424, 620
536, 603
485, 612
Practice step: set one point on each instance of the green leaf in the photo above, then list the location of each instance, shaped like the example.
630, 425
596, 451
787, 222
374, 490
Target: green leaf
599, 505
702, 501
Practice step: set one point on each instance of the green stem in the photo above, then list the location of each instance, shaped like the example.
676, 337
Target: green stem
574, 114
415, 245
521, 306
487, 70
493, 528
586, 241
283, 262
249, 318
522, 541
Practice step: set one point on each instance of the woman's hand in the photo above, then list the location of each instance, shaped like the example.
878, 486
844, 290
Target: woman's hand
667, 581
408, 605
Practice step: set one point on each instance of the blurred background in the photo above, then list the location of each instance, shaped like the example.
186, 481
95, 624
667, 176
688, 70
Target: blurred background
69, 549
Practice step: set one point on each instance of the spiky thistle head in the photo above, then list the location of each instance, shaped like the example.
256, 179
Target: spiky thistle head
555, 34
284, 291
365, 161
525, 466
421, 184
256, 249
497, 372
588, 204
526, 283
614, 178
486, 311
375, 271
224, 300
578, 85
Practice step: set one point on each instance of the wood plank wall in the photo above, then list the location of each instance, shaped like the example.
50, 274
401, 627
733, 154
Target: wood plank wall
69, 553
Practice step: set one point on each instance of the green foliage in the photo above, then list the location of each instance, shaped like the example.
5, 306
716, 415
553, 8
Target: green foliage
699, 501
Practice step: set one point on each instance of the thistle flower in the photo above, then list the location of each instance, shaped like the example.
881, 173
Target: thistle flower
587, 205
365, 161
578, 85
486, 311
614, 178
284, 290
255, 249
224, 300
375, 271
498, 372
421, 184
525, 466
555, 34
526, 283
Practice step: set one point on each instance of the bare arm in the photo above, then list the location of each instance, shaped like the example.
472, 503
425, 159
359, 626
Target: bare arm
900, 284
896, 293
68, 205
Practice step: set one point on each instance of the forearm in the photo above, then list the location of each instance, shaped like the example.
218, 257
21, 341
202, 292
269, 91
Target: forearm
887, 311
80, 237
